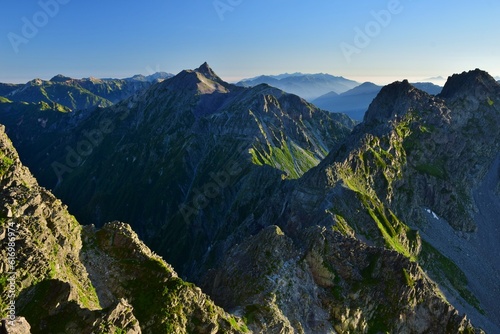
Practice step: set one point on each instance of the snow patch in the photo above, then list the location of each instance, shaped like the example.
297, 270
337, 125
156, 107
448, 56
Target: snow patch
429, 211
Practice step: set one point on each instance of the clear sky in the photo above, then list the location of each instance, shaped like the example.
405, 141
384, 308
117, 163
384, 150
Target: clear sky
412, 39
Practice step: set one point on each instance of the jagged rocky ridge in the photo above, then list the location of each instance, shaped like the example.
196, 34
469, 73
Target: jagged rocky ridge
74, 279
349, 239
408, 179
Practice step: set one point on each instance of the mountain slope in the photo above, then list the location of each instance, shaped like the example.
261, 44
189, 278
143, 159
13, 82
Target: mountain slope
6, 88
78, 280
307, 86
180, 161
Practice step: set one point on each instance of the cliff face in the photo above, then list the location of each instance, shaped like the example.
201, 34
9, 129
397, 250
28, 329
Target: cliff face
69, 279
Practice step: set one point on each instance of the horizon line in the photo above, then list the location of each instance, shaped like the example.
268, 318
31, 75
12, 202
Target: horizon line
376, 79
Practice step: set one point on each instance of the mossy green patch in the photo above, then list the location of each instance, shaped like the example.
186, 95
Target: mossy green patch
5, 163
239, 327
408, 279
288, 157
4, 100
342, 226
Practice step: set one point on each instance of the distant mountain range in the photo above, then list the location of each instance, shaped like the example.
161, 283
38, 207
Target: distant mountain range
307, 86
65, 93
335, 94
355, 102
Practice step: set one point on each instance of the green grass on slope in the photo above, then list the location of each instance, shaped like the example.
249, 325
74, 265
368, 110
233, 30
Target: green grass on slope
5, 163
289, 158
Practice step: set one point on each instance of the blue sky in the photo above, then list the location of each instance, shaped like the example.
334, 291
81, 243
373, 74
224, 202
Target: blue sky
412, 39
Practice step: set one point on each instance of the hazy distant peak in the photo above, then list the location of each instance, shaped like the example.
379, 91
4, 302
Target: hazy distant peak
158, 76
428, 87
327, 95
363, 88
368, 84
438, 78
139, 77
308, 86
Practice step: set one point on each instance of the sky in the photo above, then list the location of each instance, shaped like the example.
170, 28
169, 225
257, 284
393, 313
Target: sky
364, 40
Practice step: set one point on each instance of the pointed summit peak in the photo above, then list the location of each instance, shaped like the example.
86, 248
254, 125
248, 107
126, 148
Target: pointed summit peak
204, 67
394, 100
203, 80
472, 83
207, 71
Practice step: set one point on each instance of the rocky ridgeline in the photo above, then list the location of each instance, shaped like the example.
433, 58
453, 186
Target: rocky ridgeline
69, 279
449, 141
324, 282
417, 161
393, 176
